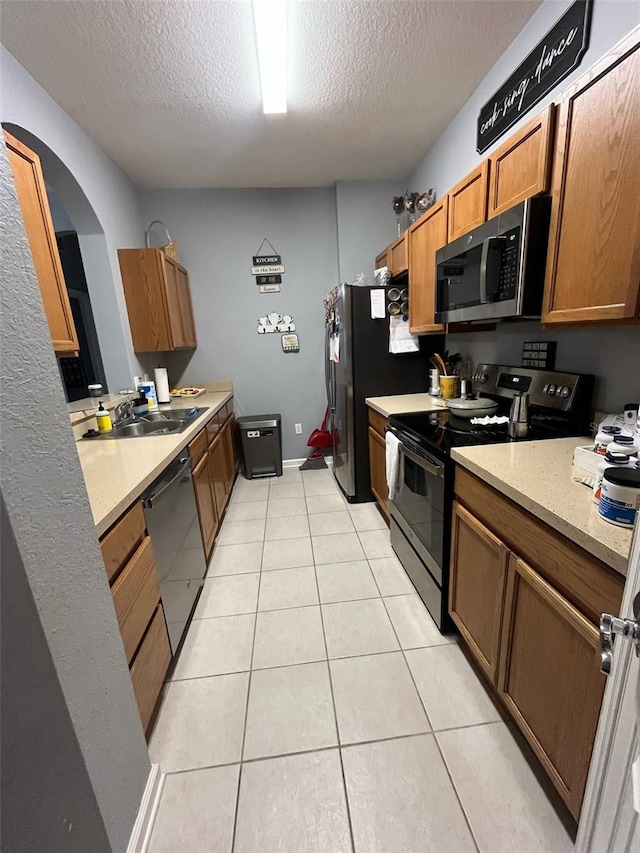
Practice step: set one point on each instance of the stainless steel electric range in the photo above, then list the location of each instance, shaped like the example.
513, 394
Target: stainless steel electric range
559, 406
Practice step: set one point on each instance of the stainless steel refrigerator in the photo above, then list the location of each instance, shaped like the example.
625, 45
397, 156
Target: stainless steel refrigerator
365, 368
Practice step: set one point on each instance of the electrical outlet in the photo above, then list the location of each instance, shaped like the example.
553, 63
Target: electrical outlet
298, 429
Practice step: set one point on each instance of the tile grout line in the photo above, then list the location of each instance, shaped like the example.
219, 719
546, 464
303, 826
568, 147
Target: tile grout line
455, 790
246, 710
316, 749
335, 716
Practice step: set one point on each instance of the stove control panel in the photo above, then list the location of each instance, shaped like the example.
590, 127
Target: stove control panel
547, 388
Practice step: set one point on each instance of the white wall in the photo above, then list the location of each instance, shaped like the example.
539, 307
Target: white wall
366, 224
607, 351
75, 760
106, 189
217, 232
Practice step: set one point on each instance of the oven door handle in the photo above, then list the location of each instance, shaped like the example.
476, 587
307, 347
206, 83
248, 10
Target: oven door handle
436, 470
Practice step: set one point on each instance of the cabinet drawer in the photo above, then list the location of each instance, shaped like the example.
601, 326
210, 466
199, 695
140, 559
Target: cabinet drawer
198, 446
120, 542
135, 596
150, 666
378, 421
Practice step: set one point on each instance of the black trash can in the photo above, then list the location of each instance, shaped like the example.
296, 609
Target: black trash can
261, 442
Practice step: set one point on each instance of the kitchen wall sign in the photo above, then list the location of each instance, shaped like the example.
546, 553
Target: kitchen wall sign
269, 288
274, 322
266, 263
268, 279
290, 343
555, 56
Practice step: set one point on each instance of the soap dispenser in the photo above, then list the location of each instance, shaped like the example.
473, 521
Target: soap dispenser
104, 419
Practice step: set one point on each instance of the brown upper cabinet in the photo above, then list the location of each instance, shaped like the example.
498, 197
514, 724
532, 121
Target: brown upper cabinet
468, 202
426, 236
382, 259
399, 255
520, 167
593, 261
158, 298
34, 204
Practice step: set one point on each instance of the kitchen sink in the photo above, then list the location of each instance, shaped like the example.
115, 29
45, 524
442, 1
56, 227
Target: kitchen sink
166, 422
159, 427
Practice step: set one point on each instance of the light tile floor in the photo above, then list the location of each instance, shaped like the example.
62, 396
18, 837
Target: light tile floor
315, 707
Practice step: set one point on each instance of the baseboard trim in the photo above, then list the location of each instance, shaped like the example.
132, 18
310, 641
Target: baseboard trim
296, 463
141, 832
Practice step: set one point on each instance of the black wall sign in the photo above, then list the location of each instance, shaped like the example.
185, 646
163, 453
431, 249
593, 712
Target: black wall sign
555, 56
269, 279
266, 260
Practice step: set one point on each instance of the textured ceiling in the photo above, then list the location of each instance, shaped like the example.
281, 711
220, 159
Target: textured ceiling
170, 89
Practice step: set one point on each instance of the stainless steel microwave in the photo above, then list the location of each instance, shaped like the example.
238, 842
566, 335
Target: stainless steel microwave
497, 270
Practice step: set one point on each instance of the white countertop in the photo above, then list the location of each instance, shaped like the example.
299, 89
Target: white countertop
537, 476
117, 471
405, 404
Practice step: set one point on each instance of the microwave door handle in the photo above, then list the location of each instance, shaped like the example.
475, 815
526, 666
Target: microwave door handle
484, 259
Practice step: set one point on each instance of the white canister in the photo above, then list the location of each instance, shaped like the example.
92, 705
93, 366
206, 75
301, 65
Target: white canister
604, 437
612, 458
624, 444
620, 498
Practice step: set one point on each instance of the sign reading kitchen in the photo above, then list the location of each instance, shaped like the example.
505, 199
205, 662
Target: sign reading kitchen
267, 265
555, 56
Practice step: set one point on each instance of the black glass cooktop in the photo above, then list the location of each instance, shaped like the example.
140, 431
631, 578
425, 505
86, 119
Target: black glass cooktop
439, 432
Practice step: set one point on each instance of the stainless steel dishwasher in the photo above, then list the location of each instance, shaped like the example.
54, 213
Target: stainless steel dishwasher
172, 521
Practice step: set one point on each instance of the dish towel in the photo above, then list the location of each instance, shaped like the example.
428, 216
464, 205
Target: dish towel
393, 464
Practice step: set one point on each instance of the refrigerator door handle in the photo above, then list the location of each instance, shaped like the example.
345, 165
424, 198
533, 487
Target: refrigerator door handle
327, 369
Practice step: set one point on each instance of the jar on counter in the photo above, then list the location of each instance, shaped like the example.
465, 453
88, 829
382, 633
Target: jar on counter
604, 437
612, 458
624, 444
620, 498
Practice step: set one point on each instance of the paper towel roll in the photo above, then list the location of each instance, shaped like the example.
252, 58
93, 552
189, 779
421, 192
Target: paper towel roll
162, 384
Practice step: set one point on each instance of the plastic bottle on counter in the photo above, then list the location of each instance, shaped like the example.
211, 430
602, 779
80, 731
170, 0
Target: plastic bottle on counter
620, 498
612, 459
149, 388
604, 437
624, 444
104, 419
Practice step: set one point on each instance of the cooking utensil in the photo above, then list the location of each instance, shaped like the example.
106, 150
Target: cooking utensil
519, 415
441, 364
472, 408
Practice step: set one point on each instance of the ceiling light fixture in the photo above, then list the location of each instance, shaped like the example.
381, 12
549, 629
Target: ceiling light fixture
270, 18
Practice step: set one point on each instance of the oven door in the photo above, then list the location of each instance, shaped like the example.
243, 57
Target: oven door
419, 507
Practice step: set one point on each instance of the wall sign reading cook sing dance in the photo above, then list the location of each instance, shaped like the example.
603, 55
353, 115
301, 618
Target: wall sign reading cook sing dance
555, 56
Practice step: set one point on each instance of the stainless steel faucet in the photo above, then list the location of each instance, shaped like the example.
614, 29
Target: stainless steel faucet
123, 411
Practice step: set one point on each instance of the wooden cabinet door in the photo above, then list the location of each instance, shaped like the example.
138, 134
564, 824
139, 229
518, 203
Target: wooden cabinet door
145, 293
425, 237
593, 260
207, 513
468, 202
399, 255
378, 469
476, 592
550, 678
218, 473
169, 272
186, 308
230, 471
34, 205
382, 260
520, 167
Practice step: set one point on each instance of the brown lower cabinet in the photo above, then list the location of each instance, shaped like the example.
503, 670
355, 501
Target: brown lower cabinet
378, 461
215, 463
135, 590
527, 603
